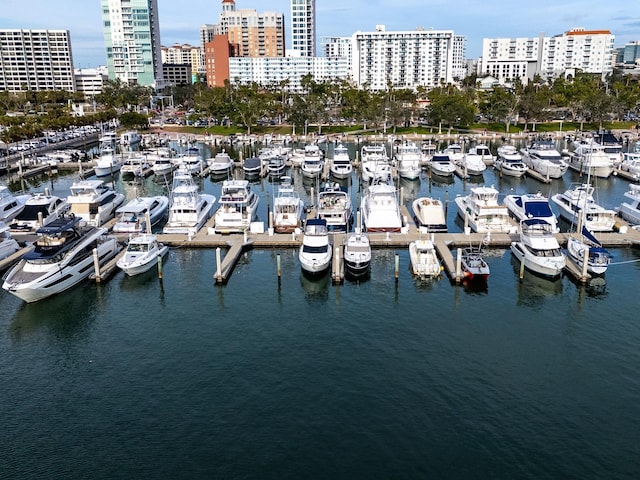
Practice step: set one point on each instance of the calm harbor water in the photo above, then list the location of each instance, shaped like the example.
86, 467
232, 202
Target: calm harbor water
185, 379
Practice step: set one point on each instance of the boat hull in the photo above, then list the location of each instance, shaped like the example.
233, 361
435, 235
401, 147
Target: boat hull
57, 280
547, 268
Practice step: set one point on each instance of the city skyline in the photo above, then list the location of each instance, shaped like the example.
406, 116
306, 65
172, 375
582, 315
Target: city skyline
180, 21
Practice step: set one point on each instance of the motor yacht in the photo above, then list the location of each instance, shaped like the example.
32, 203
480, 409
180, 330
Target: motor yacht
429, 214
509, 162
482, 211
315, 253
341, 167
630, 209
287, 208
471, 163
442, 165
334, 206
531, 205
65, 253
140, 214
484, 152
542, 156
238, 207
357, 254
188, 208
380, 208
631, 163
578, 200
220, 164
313, 162
8, 245
143, 252
424, 259
539, 249
39, 210
374, 163
93, 201
10, 204
135, 165
408, 160
590, 158
108, 161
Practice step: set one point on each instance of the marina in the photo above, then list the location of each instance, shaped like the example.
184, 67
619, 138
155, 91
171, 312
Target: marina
524, 366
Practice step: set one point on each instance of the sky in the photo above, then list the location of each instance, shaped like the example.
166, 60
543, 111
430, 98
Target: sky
180, 20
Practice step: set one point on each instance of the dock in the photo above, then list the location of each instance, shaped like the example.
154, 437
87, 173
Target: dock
225, 266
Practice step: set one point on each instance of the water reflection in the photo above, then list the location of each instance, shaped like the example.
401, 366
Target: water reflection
67, 315
533, 289
316, 287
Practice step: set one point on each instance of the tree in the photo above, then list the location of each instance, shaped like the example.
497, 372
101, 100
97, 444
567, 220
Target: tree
500, 105
450, 106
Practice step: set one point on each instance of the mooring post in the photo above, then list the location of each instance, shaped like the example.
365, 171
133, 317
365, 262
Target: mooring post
96, 264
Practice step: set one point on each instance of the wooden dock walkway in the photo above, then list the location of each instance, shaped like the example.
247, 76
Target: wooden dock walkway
225, 266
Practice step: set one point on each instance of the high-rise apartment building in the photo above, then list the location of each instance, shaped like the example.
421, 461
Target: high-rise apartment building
252, 34
589, 51
36, 60
248, 34
303, 27
406, 59
132, 41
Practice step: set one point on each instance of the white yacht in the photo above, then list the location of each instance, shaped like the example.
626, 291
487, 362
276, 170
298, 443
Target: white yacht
287, 208
313, 162
334, 206
484, 213
142, 253
161, 163
188, 208
578, 199
315, 253
8, 245
408, 160
509, 161
531, 205
612, 146
93, 201
135, 165
134, 215
374, 163
380, 208
631, 163
63, 257
238, 207
357, 254
424, 259
543, 157
630, 209
442, 165
39, 210
584, 244
590, 158
429, 214
108, 161
220, 164
484, 152
130, 138
191, 161
455, 152
252, 167
472, 163
341, 162
10, 204
539, 249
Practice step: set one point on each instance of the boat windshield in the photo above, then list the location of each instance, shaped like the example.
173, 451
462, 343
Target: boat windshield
315, 249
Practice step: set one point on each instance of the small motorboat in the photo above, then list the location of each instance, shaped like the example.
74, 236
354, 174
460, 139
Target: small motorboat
142, 253
424, 259
472, 264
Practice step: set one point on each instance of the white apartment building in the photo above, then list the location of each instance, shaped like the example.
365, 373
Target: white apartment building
90, 80
36, 60
273, 70
506, 59
303, 27
406, 59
